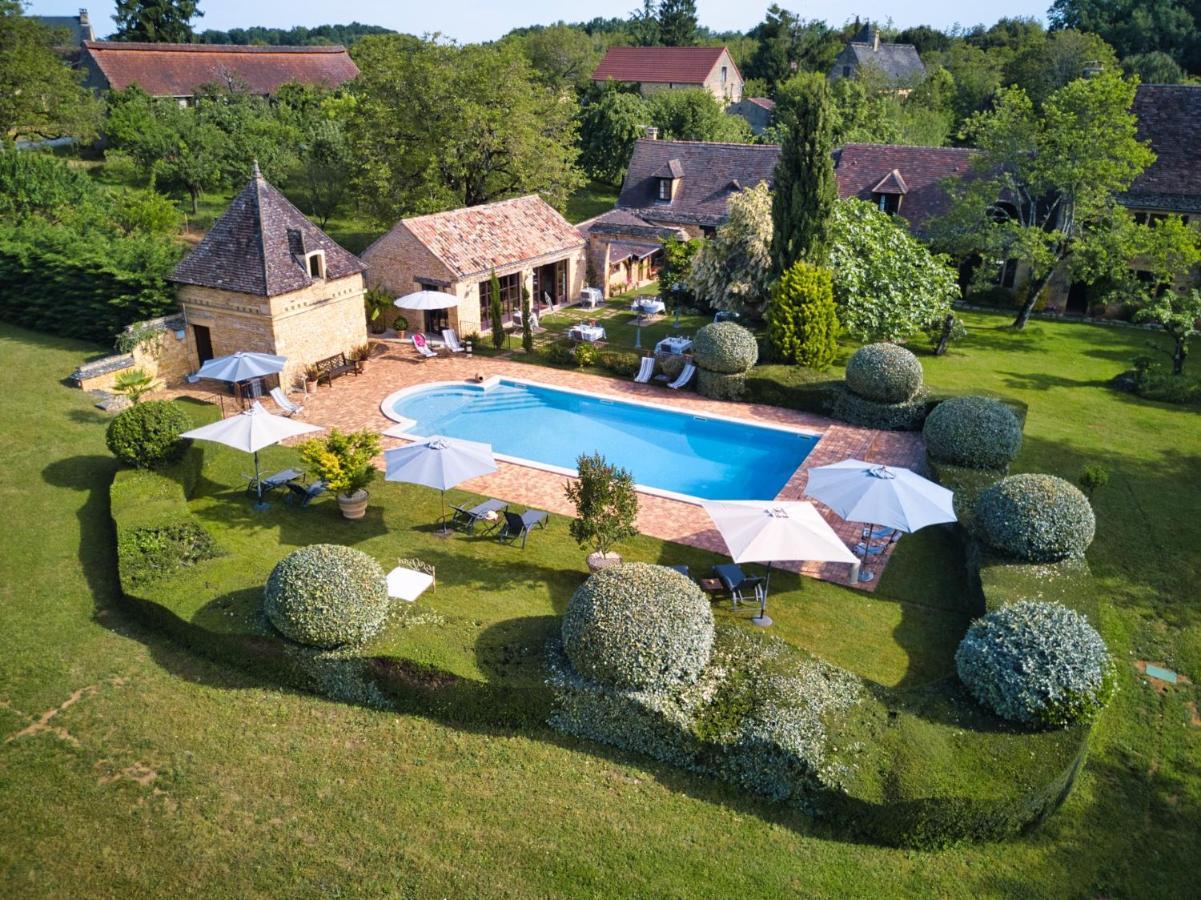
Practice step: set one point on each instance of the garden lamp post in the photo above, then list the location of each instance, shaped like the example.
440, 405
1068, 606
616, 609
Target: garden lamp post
638, 332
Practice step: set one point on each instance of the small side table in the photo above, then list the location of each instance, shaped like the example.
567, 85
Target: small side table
712, 586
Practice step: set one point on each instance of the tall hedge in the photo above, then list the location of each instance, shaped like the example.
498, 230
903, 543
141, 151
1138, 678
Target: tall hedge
802, 320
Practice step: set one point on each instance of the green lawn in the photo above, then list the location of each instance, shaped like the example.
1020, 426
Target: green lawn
592, 199
161, 771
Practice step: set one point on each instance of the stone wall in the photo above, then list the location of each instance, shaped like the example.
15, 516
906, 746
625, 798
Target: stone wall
164, 355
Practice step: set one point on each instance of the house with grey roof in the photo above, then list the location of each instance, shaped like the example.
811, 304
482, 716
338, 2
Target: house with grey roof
898, 64
77, 29
1169, 119
266, 279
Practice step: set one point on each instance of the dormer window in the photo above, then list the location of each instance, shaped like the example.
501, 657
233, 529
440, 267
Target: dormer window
315, 263
888, 203
665, 190
667, 180
889, 191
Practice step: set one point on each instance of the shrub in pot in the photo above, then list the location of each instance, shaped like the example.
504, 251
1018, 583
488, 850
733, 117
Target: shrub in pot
1036, 663
975, 432
343, 462
1035, 518
638, 626
885, 373
606, 508
326, 595
148, 434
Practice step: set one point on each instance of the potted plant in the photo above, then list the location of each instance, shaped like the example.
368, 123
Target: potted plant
360, 355
606, 507
378, 304
311, 374
343, 462
400, 325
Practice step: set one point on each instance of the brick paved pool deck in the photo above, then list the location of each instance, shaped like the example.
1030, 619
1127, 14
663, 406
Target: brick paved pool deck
352, 403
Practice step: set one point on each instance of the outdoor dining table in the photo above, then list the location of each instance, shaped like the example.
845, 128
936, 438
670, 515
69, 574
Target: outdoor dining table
591, 297
648, 306
676, 345
589, 333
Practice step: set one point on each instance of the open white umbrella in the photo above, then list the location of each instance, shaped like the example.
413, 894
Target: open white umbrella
240, 366
426, 300
776, 531
439, 462
250, 432
874, 494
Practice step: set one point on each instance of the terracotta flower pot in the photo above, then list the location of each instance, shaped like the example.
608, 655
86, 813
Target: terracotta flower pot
353, 506
598, 561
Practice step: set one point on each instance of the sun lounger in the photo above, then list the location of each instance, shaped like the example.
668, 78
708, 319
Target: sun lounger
281, 400
422, 346
467, 519
685, 377
271, 482
740, 586
299, 495
645, 370
452, 340
518, 526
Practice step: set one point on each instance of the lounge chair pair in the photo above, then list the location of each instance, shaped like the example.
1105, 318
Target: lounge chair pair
647, 369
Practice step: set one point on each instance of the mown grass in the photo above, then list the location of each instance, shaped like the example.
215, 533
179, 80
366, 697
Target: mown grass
173, 772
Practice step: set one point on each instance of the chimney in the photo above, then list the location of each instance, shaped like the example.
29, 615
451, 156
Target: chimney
652, 133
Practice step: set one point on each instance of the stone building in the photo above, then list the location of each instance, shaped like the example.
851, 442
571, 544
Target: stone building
898, 64
757, 111
524, 241
625, 250
266, 279
674, 68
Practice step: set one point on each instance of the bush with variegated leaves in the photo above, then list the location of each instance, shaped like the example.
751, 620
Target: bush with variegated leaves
327, 595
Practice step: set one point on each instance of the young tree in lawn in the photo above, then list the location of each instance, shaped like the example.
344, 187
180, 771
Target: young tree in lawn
805, 186
1044, 182
887, 285
732, 270
1177, 313
609, 126
605, 502
802, 320
496, 312
527, 326
155, 21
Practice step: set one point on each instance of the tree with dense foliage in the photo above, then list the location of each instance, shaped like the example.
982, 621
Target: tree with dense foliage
40, 95
802, 320
694, 114
155, 21
1044, 181
1045, 66
527, 321
786, 44
477, 127
805, 188
677, 23
563, 56
605, 502
296, 36
609, 126
1177, 313
887, 285
732, 271
676, 268
1136, 27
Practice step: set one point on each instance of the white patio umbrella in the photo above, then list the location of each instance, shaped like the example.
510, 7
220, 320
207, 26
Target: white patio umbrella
439, 462
240, 366
776, 531
874, 494
250, 432
426, 300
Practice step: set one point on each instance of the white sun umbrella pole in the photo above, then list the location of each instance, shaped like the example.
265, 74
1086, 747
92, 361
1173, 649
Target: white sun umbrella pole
874, 494
776, 531
439, 462
250, 432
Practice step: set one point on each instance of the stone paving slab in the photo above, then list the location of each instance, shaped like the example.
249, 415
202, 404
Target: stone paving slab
352, 403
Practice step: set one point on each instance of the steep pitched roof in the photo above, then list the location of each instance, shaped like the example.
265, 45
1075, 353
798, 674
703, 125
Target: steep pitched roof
628, 224
916, 172
79, 28
178, 70
763, 102
675, 65
709, 171
477, 239
1169, 116
897, 61
258, 246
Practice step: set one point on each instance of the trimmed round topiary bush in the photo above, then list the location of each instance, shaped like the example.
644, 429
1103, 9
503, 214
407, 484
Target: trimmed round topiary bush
327, 595
885, 373
1036, 663
908, 415
670, 364
976, 432
1035, 518
720, 386
148, 434
638, 626
725, 347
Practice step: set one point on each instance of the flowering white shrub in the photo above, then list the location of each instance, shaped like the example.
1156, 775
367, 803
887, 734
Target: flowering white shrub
638, 626
1036, 663
327, 595
1035, 518
976, 432
885, 373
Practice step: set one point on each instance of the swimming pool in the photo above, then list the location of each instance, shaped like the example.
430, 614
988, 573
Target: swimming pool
668, 451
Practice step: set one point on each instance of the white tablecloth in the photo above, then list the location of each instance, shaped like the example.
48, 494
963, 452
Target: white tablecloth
648, 305
588, 333
591, 297
675, 345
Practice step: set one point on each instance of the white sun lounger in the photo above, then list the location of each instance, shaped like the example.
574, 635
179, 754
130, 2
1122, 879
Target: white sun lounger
646, 370
685, 377
281, 400
422, 347
408, 584
452, 340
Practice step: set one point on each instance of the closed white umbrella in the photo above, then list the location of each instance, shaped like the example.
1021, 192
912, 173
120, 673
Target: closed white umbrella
240, 366
250, 432
439, 462
426, 300
891, 496
776, 531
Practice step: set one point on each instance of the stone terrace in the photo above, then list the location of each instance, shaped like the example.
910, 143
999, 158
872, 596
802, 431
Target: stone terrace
352, 403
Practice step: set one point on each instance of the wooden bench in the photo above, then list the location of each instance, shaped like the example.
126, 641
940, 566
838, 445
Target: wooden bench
334, 367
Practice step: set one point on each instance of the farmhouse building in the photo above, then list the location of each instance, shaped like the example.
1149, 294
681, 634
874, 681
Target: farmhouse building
673, 68
898, 64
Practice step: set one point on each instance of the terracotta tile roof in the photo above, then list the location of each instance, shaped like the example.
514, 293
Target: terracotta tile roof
675, 65
477, 239
1169, 116
863, 168
178, 70
710, 172
258, 246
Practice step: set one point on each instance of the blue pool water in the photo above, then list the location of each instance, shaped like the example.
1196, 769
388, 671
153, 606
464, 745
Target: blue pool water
711, 459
